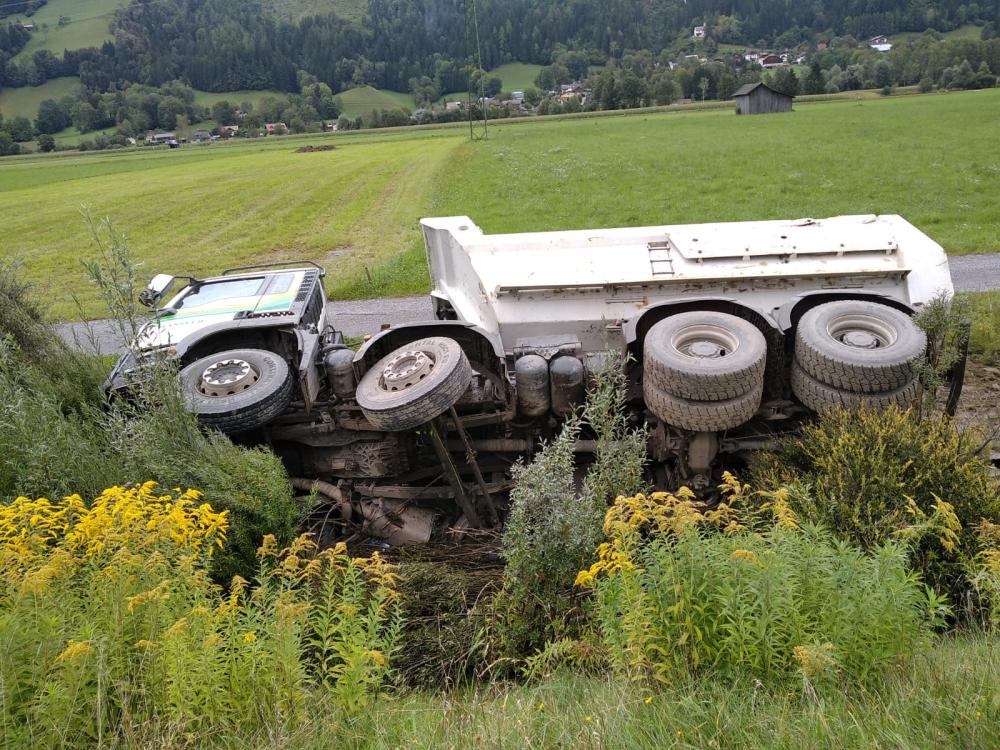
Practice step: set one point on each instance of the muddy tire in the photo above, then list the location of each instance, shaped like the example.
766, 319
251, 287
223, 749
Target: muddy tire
704, 356
412, 385
237, 390
821, 397
702, 416
859, 347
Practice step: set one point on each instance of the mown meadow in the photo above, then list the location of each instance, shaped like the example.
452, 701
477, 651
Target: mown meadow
843, 592
197, 209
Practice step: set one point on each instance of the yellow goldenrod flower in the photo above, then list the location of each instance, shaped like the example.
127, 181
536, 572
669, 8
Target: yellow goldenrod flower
75, 651
250, 637
648, 700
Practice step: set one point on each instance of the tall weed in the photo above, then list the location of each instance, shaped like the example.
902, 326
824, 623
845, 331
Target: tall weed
555, 519
869, 472
735, 592
110, 625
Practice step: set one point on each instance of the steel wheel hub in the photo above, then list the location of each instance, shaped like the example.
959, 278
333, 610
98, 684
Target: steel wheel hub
227, 377
406, 369
861, 331
705, 341
705, 350
860, 340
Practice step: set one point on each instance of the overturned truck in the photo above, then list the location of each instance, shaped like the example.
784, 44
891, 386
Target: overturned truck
734, 334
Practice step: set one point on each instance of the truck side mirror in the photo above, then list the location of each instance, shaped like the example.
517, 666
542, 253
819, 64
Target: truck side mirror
155, 290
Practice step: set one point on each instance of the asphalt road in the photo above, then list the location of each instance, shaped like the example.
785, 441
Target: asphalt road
970, 273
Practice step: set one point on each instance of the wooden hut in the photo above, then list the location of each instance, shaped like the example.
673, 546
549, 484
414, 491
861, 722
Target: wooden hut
759, 98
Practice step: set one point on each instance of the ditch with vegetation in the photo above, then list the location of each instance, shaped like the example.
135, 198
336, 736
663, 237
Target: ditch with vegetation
156, 589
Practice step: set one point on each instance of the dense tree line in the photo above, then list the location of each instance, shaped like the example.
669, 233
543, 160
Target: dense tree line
20, 7
223, 45
143, 78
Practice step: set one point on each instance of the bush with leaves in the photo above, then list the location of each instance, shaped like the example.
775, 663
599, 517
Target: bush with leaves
555, 522
861, 475
111, 629
61, 437
679, 590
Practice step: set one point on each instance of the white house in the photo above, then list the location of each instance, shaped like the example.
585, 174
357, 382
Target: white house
699, 32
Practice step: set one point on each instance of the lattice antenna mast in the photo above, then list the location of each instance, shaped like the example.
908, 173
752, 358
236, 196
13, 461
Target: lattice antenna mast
475, 133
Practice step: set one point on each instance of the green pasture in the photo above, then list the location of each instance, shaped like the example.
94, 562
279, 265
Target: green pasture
517, 76
198, 209
365, 98
968, 31
24, 101
87, 26
236, 98
930, 158
351, 10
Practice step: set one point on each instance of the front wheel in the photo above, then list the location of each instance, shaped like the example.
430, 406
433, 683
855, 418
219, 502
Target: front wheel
237, 390
414, 384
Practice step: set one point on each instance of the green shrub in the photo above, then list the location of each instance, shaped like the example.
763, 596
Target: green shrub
680, 591
984, 310
555, 523
440, 630
110, 627
862, 470
60, 437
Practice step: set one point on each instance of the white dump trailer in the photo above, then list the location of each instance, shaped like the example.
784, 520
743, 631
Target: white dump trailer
733, 334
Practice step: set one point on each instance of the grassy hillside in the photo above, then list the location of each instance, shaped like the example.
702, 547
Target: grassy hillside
24, 101
352, 10
199, 209
870, 156
208, 98
365, 99
517, 76
969, 31
87, 25
202, 209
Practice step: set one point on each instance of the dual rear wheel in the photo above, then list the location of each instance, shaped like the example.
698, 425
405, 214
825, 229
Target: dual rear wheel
704, 371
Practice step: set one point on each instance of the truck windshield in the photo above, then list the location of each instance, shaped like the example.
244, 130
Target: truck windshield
217, 291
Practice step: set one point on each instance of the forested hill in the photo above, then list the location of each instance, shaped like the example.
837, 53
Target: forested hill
221, 45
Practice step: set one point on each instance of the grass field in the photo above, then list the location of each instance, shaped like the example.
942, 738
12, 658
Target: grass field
874, 156
208, 98
365, 98
356, 207
948, 698
351, 10
24, 101
968, 31
517, 76
87, 26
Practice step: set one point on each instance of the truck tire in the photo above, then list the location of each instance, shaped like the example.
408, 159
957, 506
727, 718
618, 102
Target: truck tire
858, 346
820, 397
703, 416
704, 356
415, 383
237, 390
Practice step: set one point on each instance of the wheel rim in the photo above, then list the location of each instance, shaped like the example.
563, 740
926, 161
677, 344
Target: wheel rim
406, 369
227, 377
859, 331
705, 342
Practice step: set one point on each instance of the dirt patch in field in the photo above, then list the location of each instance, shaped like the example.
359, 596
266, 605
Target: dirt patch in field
312, 149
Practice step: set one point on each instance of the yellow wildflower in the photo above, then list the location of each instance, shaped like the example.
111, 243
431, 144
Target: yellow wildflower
75, 651
250, 637
743, 554
145, 644
377, 656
